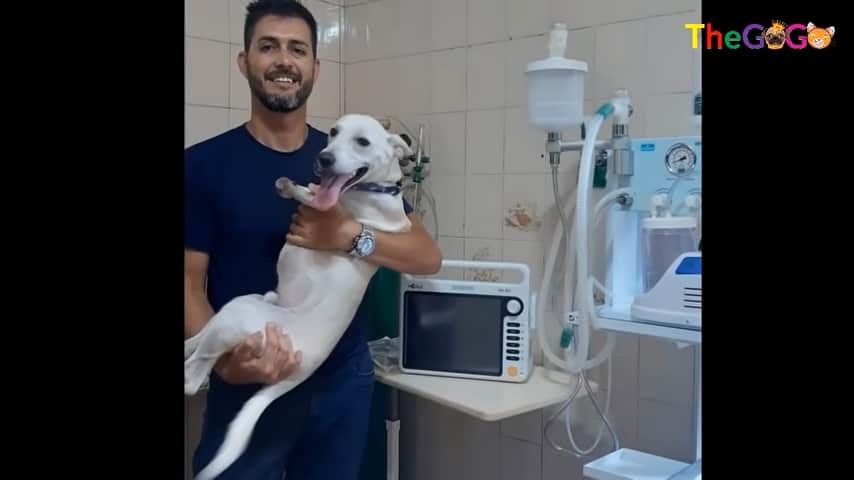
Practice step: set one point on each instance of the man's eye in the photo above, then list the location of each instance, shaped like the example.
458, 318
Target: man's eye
363, 141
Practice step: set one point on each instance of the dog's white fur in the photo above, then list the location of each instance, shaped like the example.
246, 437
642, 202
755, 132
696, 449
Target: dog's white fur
318, 292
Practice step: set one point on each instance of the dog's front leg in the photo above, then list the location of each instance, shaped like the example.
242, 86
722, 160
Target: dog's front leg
288, 189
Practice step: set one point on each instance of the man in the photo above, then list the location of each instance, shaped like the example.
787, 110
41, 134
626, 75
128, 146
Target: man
235, 226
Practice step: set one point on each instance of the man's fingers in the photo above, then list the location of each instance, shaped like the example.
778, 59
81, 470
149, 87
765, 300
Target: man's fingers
274, 339
287, 344
276, 354
251, 348
297, 220
294, 362
298, 229
296, 240
286, 356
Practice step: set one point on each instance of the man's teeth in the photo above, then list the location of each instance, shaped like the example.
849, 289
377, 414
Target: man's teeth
283, 80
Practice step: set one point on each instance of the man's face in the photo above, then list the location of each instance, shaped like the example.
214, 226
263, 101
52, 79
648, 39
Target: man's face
279, 64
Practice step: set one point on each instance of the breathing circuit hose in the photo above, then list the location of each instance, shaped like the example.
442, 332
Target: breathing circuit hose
576, 360
584, 283
569, 270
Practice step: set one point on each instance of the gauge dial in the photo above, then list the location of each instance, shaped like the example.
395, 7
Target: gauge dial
680, 159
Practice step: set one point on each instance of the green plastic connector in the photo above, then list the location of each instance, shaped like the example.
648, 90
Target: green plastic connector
566, 337
417, 174
605, 110
600, 174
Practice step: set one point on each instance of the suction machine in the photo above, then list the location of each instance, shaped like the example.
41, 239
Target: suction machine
637, 205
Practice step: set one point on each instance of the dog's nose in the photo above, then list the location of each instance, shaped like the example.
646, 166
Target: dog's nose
325, 159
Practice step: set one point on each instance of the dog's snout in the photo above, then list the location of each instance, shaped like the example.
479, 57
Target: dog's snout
326, 159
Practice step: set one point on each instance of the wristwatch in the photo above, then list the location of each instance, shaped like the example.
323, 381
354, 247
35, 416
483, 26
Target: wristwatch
364, 243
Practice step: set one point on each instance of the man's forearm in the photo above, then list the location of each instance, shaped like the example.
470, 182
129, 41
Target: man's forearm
197, 312
411, 253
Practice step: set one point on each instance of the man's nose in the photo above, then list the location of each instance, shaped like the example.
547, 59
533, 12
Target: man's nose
326, 159
284, 59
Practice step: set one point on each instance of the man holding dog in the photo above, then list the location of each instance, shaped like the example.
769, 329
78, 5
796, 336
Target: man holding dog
235, 225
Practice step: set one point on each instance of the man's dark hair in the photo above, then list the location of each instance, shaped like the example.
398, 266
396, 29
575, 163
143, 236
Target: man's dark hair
258, 9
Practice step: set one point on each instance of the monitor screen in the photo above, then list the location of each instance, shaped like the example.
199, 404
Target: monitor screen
452, 332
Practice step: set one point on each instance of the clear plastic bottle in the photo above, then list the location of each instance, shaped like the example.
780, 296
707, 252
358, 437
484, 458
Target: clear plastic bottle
664, 239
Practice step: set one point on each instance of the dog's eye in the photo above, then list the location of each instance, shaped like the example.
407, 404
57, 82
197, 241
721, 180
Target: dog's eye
363, 141
333, 132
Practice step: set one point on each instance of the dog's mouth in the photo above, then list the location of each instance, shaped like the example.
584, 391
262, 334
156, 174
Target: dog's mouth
332, 186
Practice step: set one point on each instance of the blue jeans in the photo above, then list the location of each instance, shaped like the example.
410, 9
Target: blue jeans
316, 431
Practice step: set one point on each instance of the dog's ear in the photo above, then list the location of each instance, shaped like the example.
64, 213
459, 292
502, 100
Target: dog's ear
401, 149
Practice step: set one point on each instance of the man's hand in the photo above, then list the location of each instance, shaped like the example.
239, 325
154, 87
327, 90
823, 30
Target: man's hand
333, 229
252, 362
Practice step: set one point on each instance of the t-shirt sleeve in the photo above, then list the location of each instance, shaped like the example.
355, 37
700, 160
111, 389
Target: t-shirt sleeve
198, 208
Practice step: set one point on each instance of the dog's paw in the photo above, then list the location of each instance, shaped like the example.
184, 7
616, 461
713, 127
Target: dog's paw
286, 187
271, 297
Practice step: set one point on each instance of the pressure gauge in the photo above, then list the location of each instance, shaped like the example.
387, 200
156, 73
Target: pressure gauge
680, 159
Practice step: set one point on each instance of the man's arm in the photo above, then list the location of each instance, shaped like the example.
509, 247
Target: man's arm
249, 362
197, 309
413, 252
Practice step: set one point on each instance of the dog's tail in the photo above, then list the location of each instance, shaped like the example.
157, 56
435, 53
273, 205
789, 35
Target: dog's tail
241, 428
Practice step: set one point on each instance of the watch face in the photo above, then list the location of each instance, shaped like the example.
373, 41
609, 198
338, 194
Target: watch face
366, 245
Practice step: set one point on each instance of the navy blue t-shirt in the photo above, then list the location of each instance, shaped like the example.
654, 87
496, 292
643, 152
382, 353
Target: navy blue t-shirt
235, 215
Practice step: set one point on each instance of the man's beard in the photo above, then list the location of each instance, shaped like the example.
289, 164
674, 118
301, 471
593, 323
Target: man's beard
280, 103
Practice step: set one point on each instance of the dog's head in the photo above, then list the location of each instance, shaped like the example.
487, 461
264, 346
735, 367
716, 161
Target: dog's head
775, 35
359, 150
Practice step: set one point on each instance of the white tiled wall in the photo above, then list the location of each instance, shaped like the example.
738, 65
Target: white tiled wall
216, 93
457, 67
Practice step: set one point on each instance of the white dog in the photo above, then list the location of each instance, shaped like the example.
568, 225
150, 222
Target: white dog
318, 292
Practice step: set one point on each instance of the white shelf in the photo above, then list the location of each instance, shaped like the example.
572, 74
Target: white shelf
620, 321
485, 399
628, 464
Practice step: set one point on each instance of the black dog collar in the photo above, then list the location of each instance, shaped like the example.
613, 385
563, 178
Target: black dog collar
374, 187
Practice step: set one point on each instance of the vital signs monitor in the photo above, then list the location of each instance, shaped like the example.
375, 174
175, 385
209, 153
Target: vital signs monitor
467, 329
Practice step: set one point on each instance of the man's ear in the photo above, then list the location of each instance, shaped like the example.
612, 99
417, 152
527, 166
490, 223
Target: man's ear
241, 64
401, 149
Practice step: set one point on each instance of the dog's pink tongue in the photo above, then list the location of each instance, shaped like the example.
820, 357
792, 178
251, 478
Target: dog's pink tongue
326, 195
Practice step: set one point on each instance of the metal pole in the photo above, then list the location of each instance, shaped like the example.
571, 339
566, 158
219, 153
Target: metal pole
392, 425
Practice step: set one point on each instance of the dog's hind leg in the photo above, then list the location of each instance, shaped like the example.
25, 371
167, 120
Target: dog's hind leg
191, 344
197, 368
